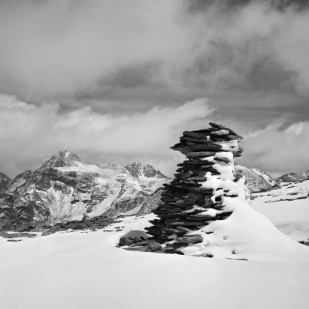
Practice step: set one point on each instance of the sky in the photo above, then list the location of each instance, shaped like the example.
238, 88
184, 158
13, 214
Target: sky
119, 81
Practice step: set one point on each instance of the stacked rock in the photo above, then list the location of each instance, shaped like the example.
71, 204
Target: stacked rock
194, 198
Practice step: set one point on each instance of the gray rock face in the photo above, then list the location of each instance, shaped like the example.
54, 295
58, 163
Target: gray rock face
139, 170
66, 188
4, 182
256, 180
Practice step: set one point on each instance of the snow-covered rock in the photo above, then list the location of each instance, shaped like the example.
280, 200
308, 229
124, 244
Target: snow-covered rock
67, 188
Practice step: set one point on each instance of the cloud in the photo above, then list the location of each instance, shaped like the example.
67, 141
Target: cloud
278, 151
31, 134
60, 47
102, 61
51, 49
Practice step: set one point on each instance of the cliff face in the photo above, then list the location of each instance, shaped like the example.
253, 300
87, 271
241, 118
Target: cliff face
66, 188
256, 180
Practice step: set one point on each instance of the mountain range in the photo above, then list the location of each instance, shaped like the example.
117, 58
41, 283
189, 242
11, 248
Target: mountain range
66, 188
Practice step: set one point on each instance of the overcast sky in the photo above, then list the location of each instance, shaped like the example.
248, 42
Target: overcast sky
120, 80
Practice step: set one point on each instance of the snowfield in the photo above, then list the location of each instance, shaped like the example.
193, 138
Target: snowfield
85, 270
290, 215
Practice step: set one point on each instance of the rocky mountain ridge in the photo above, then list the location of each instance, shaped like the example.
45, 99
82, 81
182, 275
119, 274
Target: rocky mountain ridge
66, 188
294, 177
256, 180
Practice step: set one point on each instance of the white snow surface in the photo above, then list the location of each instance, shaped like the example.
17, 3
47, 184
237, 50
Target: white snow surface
290, 217
85, 270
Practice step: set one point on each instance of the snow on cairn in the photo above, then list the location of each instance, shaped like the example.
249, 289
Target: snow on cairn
204, 210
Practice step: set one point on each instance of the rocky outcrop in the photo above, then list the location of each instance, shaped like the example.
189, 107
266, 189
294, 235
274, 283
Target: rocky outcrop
194, 198
66, 188
4, 182
86, 223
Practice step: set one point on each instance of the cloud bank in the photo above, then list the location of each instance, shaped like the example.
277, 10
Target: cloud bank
30, 134
109, 65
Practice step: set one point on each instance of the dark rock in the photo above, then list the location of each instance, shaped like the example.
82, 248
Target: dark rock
48, 232
193, 239
125, 241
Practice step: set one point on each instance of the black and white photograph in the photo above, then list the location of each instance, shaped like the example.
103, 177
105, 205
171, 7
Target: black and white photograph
154, 154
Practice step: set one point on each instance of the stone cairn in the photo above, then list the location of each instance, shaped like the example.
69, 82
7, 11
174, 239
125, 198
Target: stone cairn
185, 199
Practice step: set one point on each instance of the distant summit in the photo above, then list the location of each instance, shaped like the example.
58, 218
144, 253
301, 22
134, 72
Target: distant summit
62, 158
294, 177
144, 170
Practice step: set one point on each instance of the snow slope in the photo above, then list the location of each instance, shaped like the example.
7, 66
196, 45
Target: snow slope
84, 270
290, 217
287, 207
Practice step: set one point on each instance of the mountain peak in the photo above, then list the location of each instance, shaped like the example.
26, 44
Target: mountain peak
137, 170
62, 158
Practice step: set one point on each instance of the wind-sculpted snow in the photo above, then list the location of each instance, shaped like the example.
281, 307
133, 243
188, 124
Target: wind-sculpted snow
67, 188
84, 270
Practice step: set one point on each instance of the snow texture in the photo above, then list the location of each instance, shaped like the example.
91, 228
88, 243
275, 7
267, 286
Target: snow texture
84, 270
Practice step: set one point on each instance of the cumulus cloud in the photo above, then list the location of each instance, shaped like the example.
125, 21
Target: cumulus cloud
31, 134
